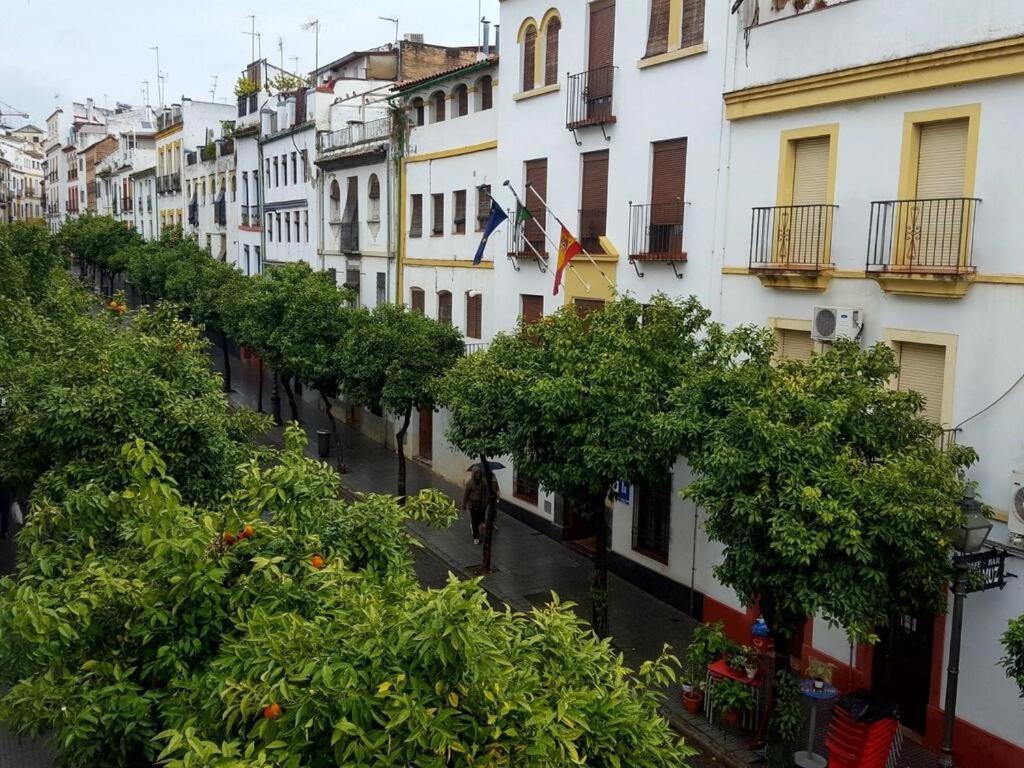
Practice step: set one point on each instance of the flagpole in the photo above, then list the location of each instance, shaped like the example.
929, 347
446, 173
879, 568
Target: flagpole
547, 237
586, 253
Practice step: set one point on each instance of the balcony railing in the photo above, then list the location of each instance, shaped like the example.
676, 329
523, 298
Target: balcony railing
244, 216
356, 134
593, 223
477, 346
191, 157
193, 214
792, 237
932, 236
348, 237
527, 241
656, 231
220, 212
589, 99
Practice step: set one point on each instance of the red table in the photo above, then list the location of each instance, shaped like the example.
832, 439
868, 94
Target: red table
720, 670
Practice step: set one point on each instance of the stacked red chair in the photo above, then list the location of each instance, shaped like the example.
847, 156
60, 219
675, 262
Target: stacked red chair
856, 744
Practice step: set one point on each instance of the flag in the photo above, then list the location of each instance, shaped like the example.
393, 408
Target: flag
523, 214
497, 217
568, 249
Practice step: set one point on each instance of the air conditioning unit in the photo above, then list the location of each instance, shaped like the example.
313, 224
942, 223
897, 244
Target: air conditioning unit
832, 323
1015, 516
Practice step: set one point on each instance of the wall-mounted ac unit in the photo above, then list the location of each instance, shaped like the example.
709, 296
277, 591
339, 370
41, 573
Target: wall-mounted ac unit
1015, 516
832, 323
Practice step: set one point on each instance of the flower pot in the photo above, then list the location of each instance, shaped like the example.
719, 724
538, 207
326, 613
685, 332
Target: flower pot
730, 717
692, 701
751, 672
687, 688
819, 685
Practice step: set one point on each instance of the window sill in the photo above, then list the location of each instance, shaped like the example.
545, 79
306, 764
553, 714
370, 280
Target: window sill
680, 53
540, 91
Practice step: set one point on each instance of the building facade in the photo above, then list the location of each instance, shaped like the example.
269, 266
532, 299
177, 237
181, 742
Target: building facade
212, 192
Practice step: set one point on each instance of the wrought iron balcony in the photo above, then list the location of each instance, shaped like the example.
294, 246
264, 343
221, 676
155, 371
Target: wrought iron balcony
929, 236
656, 233
589, 98
526, 241
356, 133
244, 217
792, 237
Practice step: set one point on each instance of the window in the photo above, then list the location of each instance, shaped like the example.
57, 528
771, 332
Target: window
793, 344
284, 170
416, 216
259, 263
234, 189
809, 192
296, 218
529, 55
586, 306
693, 23
335, 202
280, 233
295, 167
474, 314
304, 155
305, 223
373, 195
594, 200
382, 287
277, 174
657, 34
483, 206
437, 214
525, 488
245, 187
485, 93
532, 308
417, 300
444, 307
419, 109
652, 516
437, 101
536, 184
941, 175
459, 213
922, 369
266, 175
554, 26
668, 187
350, 217
460, 99
245, 255
352, 281
288, 227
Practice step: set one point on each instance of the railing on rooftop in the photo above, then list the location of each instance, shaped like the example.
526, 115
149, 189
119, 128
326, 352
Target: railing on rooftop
356, 134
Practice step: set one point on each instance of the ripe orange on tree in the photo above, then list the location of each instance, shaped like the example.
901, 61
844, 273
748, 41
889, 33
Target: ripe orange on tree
317, 562
272, 711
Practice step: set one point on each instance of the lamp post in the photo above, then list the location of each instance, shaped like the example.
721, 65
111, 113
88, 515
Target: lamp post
968, 538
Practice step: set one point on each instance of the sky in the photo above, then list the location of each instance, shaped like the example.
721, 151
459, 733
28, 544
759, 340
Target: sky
53, 51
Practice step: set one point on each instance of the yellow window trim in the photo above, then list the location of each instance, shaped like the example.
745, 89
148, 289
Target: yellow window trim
909, 154
787, 159
894, 336
540, 91
793, 324
672, 55
409, 263
954, 66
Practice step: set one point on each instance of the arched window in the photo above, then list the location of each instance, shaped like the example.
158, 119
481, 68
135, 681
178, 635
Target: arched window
335, 201
419, 111
444, 307
373, 194
554, 26
418, 300
460, 100
437, 100
529, 52
484, 93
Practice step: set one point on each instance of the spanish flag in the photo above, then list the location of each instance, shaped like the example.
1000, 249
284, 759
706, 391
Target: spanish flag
568, 249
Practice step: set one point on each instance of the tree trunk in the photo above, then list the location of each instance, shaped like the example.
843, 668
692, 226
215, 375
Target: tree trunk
781, 631
275, 399
400, 438
259, 389
227, 361
599, 580
291, 400
339, 463
489, 514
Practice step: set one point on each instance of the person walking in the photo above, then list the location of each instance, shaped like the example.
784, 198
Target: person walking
476, 496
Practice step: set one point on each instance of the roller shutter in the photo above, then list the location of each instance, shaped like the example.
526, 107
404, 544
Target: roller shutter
923, 369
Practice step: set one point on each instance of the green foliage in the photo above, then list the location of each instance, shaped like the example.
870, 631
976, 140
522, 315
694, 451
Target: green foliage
285, 81
708, 643
1013, 643
96, 240
245, 87
827, 487
786, 722
29, 255
732, 696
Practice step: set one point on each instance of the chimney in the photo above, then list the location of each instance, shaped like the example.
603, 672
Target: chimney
90, 110
266, 115
289, 107
497, 36
487, 37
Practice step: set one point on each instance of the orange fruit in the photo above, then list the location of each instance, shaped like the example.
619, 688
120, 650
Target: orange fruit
317, 562
229, 538
246, 533
178, 346
272, 711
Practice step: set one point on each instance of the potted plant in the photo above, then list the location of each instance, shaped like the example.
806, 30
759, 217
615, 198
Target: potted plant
744, 659
820, 672
693, 693
731, 698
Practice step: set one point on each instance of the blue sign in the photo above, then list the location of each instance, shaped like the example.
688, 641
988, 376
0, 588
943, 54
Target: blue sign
622, 491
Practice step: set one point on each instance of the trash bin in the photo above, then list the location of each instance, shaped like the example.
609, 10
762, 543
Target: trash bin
323, 443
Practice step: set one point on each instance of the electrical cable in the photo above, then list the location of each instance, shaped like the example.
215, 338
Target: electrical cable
993, 403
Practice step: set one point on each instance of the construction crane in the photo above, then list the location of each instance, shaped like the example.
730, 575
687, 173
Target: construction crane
10, 111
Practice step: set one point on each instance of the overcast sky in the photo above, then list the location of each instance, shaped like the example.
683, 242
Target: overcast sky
64, 50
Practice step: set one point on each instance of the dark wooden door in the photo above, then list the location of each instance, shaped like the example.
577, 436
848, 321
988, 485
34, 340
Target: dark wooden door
594, 200
426, 448
600, 58
901, 668
668, 186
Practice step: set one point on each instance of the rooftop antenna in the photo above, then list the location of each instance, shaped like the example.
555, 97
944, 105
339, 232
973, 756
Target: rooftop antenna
252, 37
145, 83
398, 49
280, 51
295, 66
213, 88
314, 24
159, 86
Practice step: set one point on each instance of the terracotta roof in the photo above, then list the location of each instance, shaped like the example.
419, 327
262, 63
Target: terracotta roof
445, 73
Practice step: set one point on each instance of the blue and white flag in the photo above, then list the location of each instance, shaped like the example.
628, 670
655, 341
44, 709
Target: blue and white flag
497, 217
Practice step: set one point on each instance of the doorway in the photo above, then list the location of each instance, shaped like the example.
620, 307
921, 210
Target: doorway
901, 669
426, 446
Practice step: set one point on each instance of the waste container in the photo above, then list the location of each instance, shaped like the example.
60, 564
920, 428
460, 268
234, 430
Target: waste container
323, 443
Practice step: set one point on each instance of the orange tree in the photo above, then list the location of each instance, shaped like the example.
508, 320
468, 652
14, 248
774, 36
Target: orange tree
1013, 643
96, 242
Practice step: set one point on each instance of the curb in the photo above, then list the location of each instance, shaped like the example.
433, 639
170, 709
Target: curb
715, 748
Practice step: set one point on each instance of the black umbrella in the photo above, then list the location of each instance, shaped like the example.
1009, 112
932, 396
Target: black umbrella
492, 465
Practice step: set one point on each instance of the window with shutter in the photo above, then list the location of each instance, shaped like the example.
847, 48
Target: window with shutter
537, 178
373, 195
529, 58
693, 23
416, 217
485, 89
551, 51
461, 99
793, 344
483, 206
594, 200
657, 34
802, 230
444, 307
418, 301
418, 111
923, 369
532, 308
668, 189
525, 488
652, 517
437, 214
585, 307
941, 171
459, 217
438, 103
474, 314
351, 212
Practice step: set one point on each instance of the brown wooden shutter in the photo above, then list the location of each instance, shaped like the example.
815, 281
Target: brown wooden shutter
486, 92
444, 307
602, 34
657, 35
693, 23
536, 177
463, 100
438, 214
483, 205
668, 177
416, 225
459, 219
474, 315
533, 308
418, 301
529, 58
594, 199
439, 106
793, 344
551, 52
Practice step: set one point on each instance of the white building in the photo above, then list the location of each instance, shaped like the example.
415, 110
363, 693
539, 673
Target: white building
211, 191
144, 209
136, 151
23, 149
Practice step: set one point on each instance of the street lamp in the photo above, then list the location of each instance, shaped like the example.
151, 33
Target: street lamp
968, 539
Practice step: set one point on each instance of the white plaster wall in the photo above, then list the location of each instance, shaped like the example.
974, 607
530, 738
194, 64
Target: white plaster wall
373, 240
298, 195
247, 160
